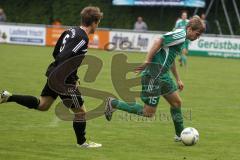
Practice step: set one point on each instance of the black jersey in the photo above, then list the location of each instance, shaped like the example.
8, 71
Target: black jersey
72, 42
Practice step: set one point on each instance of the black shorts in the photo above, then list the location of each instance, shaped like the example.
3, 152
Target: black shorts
47, 91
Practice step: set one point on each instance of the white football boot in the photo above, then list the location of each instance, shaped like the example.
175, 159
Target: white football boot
4, 96
89, 145
177, 138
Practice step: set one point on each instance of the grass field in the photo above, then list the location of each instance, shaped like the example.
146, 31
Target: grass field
211, 93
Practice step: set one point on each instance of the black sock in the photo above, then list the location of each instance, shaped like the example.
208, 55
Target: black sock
27, 101
79, 128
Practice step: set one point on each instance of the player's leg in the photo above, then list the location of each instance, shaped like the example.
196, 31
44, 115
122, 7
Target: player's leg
175, 102
24, 100
135, 108
43, 103
184, 57
150, 105
146, 110
31, 102
48, 96
185, 53
79, 121
180, 60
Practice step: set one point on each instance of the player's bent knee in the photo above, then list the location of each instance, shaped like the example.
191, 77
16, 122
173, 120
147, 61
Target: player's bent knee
149, 111
177, 103
45, 103
43, 107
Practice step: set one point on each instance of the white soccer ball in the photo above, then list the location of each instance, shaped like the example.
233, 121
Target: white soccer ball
189, 136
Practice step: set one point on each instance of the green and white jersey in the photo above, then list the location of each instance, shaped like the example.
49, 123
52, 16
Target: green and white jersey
165, 57
181, 24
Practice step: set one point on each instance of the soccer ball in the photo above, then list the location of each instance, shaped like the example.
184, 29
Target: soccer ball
189, 136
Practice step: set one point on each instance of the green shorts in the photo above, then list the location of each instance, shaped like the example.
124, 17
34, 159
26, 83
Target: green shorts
153, 89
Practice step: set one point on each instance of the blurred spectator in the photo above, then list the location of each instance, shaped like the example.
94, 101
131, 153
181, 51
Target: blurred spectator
3, 17
207, 28
182, 24
183, 21
140, 25
57, 22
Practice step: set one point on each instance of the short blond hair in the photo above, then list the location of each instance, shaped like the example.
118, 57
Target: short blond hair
196, 24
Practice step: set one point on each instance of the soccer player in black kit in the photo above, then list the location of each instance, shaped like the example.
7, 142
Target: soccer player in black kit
72, 42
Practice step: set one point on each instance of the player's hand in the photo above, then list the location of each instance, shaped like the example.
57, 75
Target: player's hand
180, 85
140, 68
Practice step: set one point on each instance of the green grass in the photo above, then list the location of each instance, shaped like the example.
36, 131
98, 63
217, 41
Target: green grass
211, 93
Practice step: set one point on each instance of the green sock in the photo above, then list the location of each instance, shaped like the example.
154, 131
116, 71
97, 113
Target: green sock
177, 118
128, 107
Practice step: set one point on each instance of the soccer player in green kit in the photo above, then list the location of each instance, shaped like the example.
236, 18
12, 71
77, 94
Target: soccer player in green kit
155, 74
181, 24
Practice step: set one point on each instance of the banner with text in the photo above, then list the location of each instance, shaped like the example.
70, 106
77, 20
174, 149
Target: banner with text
204, 46
117, 40
216, 46
23, 35
130, 41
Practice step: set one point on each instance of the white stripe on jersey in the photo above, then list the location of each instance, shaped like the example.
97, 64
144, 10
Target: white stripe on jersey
174, 32
167, 54
176, 42
78, 46
180, 35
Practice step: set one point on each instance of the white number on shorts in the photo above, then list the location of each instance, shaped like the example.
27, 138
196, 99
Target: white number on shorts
153, 100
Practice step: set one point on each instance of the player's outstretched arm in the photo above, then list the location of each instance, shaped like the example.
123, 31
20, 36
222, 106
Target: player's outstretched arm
154, 49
